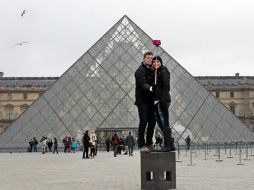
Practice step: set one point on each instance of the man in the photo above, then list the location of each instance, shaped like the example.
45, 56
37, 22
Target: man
188, 142
130, 143
35, 144
108, 143
115, 143
144, 101
86, 144
55, 146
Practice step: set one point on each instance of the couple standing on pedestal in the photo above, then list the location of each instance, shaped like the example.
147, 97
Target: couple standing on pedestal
153, 100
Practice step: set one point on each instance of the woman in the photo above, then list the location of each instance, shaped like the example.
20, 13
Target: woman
162, 102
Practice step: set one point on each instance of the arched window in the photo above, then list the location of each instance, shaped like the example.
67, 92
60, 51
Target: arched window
9, 111
23, 107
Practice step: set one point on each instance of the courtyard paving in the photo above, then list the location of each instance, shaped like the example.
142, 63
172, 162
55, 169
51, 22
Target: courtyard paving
68, 171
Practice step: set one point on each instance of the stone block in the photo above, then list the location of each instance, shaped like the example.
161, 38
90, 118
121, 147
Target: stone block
158, 170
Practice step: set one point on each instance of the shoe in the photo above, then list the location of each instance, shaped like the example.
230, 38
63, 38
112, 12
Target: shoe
145, 149
150, 147
166, 149
172, 147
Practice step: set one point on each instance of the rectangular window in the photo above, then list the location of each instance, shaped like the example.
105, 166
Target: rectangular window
25, 96
231, 94
9, 96
217, 94
9, 112
232, 108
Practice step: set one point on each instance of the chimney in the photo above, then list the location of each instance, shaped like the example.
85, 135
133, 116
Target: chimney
237, 74
1, 74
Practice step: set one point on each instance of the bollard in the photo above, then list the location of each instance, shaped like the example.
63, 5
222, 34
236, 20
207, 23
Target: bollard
236, 148
225, 147
199, 149
205, 153
230, 156
191, 164
216, 152
246, 152
219, 160
240, 155
207, 146
195, 149
251, 146
203, 147
178, 153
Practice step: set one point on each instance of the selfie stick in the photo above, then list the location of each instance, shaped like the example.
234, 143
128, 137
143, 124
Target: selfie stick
156, 43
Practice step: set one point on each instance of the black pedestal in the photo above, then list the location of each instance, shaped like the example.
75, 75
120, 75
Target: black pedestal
158, 170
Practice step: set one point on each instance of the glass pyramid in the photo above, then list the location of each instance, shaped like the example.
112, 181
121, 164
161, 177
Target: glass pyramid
97, 93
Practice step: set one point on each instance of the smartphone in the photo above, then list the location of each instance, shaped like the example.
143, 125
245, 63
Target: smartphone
156, 42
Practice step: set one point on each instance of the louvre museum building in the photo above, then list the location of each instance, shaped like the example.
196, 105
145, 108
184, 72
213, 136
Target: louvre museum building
97, 93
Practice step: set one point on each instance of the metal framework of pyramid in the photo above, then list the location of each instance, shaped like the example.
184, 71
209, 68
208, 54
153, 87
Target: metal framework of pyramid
98, 92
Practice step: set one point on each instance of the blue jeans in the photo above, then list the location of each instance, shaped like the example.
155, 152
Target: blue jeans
130, 148
146, 119
162, 118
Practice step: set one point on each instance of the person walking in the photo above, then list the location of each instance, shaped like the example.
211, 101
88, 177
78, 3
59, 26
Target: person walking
130, 143
144, 78
108, 143
86, 144
43, 144
31, 144
188, 142
35, 144
93, 149
50, 144
74, 145
115, 143
65, 142
55, 146
158, 141
162, 102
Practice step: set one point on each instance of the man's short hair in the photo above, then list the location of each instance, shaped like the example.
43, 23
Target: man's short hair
148, 53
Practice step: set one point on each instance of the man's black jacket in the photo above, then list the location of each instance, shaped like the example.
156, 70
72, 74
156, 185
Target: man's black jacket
144, 80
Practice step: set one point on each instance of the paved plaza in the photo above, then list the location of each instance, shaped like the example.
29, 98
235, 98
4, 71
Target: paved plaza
69, 171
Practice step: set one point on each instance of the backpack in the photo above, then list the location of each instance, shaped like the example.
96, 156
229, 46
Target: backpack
115, 141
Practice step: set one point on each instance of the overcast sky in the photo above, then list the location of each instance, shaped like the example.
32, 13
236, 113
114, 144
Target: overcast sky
207, 37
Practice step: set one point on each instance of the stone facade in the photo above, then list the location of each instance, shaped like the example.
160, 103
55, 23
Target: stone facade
17, 94
235, 92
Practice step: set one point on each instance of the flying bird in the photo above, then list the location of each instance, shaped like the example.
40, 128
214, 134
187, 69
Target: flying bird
20, 44
24, 12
